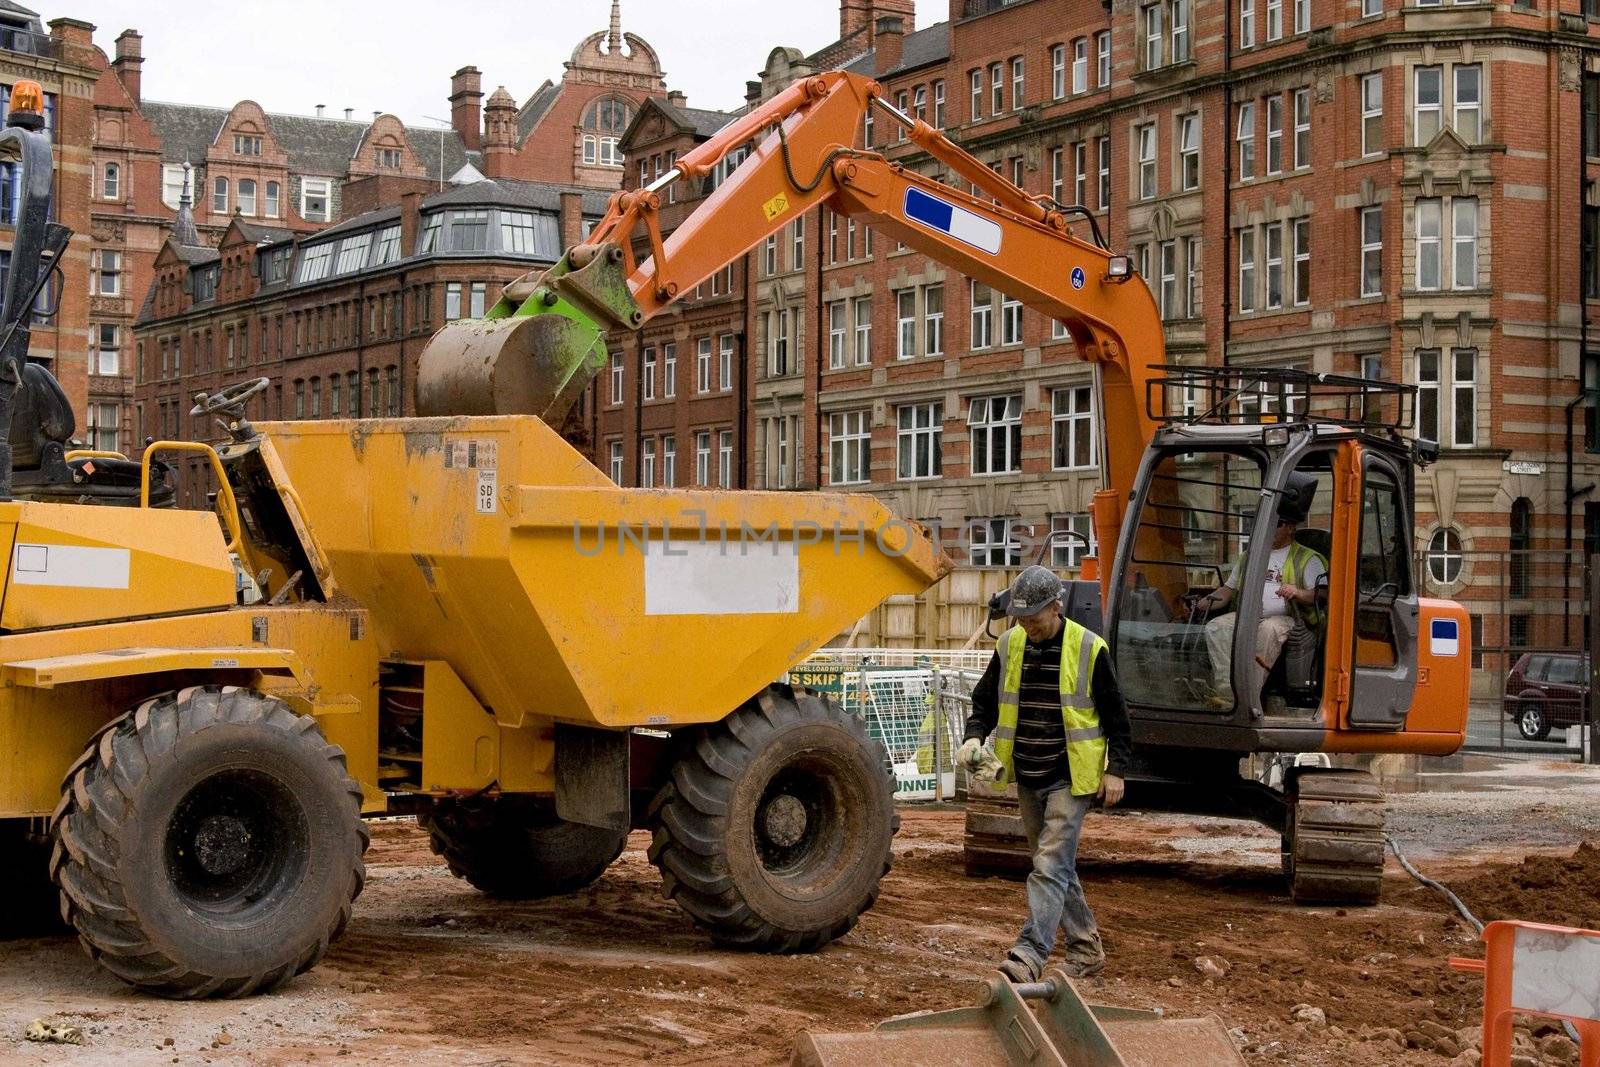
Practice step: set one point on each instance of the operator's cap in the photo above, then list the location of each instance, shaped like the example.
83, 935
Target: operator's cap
1033, 589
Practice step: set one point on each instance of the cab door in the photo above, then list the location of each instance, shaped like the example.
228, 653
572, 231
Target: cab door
1384, 656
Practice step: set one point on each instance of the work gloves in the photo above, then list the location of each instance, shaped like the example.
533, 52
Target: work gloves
970, 754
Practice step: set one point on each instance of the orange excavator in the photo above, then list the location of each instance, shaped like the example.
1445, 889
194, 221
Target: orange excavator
1200, 465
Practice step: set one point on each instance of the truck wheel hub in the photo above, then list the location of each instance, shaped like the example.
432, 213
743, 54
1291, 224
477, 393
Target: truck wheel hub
222, 844
785, 821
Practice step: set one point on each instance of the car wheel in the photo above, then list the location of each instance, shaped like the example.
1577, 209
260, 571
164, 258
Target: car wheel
1532, 723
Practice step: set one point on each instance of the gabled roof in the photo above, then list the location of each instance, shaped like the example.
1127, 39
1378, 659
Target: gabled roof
195, 257
259, 234
529, 115
315, 146
703, 122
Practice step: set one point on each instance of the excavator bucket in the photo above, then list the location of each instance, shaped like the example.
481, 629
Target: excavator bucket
1057, 1029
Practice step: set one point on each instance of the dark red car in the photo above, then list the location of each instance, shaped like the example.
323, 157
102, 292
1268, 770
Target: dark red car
1547, 689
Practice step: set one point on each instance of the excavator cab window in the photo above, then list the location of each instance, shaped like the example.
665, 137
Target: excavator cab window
1193, 526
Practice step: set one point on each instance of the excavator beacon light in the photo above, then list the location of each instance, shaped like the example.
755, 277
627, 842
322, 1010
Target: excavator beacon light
1119, 268
27, 105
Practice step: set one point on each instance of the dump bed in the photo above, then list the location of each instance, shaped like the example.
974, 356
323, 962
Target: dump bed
492, 544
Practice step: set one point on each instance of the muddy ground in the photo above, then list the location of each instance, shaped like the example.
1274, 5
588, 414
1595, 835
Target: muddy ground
433, 973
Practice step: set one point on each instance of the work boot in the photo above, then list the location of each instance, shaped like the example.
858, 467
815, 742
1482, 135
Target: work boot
1084, 968
1018, 969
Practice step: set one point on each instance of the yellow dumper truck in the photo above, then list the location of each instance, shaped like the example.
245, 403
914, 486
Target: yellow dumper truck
457, 615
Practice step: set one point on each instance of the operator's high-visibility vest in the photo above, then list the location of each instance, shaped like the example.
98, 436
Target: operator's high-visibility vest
1086, 743
1294, 569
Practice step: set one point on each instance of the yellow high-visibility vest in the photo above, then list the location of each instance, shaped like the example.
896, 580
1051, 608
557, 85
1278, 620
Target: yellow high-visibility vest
1086, 742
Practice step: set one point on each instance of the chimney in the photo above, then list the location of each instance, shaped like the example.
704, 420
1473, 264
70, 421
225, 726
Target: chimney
889, 40
410, 218
129, 63
571, 219
752, 93
320, 108
466, 92
677, 99
349, 113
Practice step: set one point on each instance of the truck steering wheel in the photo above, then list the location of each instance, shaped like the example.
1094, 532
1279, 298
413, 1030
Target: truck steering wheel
230, 399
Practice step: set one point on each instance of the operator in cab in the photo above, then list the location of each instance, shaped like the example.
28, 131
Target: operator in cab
1051, 699
1288, 599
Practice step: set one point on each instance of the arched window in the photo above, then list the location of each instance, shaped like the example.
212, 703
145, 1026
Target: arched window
272, 200
1444, 557
219, 196
247, 196
1521, 545
603, 124
111, 182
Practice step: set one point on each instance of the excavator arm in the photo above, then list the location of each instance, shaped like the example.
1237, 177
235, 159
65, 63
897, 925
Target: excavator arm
1004, 237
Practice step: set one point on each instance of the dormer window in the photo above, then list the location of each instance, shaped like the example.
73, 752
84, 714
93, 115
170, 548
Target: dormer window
603, 125
246, 144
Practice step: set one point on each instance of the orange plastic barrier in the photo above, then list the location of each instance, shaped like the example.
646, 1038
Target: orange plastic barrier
1548, 971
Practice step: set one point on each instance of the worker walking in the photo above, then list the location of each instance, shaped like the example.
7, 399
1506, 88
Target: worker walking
1288, 599
1051, 698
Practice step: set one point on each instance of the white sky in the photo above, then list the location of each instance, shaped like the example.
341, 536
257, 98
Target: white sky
397, 56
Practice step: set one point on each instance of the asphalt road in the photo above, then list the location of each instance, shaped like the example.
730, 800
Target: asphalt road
1490, 730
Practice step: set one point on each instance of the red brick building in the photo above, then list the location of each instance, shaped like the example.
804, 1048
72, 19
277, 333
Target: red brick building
1357, 186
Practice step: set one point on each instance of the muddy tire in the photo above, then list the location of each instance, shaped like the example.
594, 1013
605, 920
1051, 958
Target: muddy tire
209, 844
773, 830
516, 848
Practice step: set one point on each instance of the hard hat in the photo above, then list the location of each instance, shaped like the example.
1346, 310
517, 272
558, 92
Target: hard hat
1034, 588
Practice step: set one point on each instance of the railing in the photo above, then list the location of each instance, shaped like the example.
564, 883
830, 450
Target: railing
29, 42
225, 501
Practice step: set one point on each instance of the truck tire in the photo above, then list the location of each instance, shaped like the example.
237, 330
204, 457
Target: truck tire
774, 828
209, 844
515, 847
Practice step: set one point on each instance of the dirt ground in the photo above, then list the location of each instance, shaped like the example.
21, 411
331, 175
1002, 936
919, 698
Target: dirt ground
433, 973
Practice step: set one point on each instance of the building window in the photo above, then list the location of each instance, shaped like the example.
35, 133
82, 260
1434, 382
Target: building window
1428, 395
725, 362
246, 144
1464, 397
995, 425
389, 158
997, 89
1302, 129
1247, 140
702, 457
778, 344
616, 462
863, 330
172, 182
1302, 16
1274, 134
725, 459
1274, 20
669, 370
648, 377
219, 196
1167, 265
919, 440
1102, 46
107, 348
1080, 172
1302, 262
977, 97
1072, 430
1189, 151
603, 125
1591, 252
905, 324
647, 463
106, 274
452, 301
1103, 155
1017, 95
110, 181
1468, 114
1151, 16
1080, 65
990, 544
938, 104
850, 447
105, 422
1058, 72
1247, 269
982, 314
1274, 264
1372, 113
702, 366
1426, 104
1444, 557
247, 196
1464, 242
919, 103
1591, 109
836, 335
1247, 23
1429, 267
616, 376
272, 200
1191, 280
1372, 251
1145, 135
1370, 8
1180, 31
797, 244
1067, 552
1521, 546
669, 461
1010, 320
314, 197
769, 256
933, 319
1057, 177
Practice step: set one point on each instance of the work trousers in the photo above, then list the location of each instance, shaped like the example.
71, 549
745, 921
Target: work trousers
1271, 633
1053, 819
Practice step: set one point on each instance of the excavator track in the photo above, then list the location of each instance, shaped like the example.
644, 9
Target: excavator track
1333, 839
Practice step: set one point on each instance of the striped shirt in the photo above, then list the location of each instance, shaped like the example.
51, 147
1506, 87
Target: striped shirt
1040, 755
